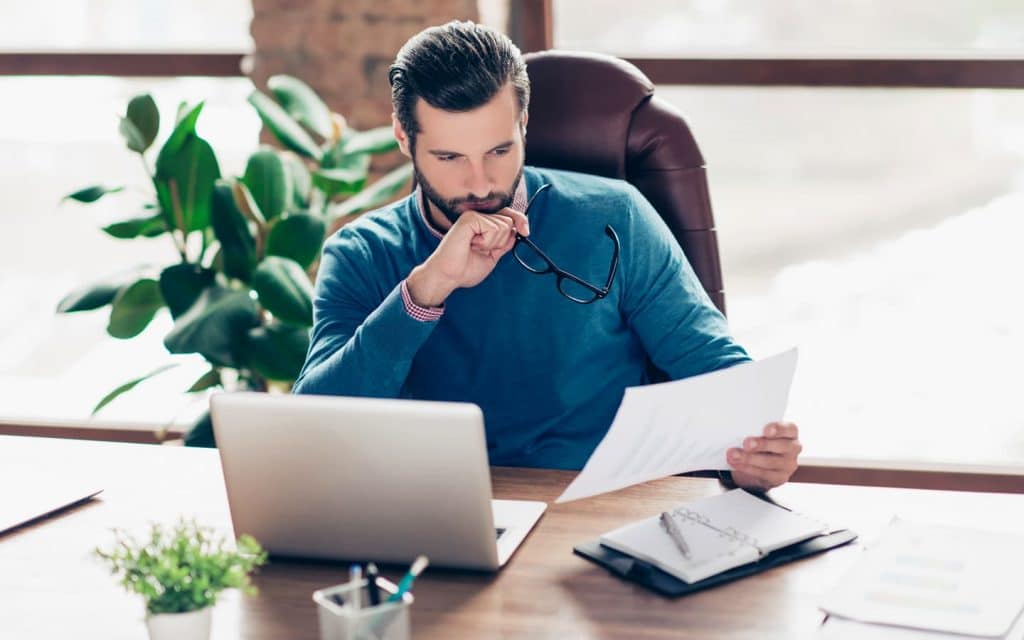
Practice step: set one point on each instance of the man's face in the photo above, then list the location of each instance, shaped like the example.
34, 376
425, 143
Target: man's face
470, 160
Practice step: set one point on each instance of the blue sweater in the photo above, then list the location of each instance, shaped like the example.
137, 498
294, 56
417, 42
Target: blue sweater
548, 373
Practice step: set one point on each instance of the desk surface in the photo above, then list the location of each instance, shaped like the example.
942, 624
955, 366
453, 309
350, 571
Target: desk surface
51, 587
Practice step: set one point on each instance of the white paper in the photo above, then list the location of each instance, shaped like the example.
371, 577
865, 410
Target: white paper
935, 577
685, 425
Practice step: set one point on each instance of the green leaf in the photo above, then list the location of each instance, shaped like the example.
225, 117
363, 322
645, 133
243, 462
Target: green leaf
300, 237
302, 182
184, 129
128, 386
134, 308
283, 126
96, 295
206, 381
237, 244
193, 169
302, 103
201, 433
215, 326
378, 193
379, 140
145, 226
91, 194
268, 182
181, 284
347, 178
141, 124
284, 290
277, 352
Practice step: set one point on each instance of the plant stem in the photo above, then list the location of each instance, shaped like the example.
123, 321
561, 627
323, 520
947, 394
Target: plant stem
179, 219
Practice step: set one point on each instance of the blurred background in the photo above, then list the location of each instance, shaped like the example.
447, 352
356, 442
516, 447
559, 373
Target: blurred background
876, 227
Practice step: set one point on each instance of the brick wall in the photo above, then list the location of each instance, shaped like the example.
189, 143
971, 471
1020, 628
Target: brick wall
342, 48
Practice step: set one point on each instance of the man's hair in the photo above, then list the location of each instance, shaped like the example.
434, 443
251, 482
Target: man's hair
458, 66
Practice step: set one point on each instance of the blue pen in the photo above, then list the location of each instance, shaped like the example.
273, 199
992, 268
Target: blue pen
355, 574
415, 570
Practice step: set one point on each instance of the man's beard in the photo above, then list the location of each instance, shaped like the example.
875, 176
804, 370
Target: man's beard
451, 208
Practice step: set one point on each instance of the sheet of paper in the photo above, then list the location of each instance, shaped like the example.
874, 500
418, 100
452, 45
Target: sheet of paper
685, 425
935, 577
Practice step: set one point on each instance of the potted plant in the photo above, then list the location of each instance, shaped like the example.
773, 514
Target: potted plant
179, 571
240, 295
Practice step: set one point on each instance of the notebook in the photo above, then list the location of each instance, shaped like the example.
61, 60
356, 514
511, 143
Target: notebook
722, 532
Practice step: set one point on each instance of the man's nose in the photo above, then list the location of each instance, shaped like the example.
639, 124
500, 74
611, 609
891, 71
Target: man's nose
478, 185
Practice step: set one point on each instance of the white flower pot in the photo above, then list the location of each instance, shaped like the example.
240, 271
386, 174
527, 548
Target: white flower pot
192, 625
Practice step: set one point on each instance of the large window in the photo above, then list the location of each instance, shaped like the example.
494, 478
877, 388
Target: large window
875, 228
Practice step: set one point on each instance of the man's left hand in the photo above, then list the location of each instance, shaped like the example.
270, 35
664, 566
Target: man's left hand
767, 461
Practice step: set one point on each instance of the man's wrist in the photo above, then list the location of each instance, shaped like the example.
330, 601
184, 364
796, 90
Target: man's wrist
426, 290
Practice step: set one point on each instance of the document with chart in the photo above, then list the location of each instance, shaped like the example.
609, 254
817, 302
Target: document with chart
686, 425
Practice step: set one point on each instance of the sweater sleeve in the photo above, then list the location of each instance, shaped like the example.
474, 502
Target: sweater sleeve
365, 335
682, 331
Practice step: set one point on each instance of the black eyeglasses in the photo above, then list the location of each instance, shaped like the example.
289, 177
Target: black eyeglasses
572, 287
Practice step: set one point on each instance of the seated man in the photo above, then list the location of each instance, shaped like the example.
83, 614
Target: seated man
421, 299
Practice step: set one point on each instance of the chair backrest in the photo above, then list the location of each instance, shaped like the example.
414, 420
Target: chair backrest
598, 114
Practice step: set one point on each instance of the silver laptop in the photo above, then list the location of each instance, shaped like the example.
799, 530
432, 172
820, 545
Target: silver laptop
365, 479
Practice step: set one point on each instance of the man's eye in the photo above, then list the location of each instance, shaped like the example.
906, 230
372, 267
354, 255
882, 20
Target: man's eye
445, 158
501, 152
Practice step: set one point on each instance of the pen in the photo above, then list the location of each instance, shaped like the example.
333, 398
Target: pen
355, 574
673, 531
371, 586
416, 569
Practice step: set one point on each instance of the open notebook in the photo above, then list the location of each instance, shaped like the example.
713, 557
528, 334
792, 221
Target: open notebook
722, 532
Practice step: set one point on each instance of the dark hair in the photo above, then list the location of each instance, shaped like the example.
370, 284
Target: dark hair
457, 66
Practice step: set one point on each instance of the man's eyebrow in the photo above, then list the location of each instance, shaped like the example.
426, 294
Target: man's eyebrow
445, 152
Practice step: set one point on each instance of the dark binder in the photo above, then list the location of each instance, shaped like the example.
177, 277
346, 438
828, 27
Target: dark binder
653, 578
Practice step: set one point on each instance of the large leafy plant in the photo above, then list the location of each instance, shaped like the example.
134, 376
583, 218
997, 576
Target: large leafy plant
182, 568
240, 295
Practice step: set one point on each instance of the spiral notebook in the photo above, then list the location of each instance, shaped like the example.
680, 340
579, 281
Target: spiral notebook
722, 532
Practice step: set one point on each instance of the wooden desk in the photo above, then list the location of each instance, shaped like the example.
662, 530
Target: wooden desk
50, 587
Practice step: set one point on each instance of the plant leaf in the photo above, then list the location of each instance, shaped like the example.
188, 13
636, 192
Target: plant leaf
201, 433
302, 103
91, 194
206, 381
128, 386
302, 182
373, 141
181, 284
268, 182
95, 295
215, 326
284, 290
237, 244
145, 226
277, 352
193, 169
141, 124
283, 126
184, 129
300, 237
347, 178
378, 193
134, 308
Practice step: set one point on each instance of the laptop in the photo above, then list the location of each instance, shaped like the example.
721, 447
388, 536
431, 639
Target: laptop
365, 479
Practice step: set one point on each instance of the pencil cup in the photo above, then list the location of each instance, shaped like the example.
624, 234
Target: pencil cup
342, 621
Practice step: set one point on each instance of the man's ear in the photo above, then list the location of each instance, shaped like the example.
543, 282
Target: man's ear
403, 140
522, 123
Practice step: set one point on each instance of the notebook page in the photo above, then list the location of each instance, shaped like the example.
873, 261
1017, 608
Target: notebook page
762, 524
711, 552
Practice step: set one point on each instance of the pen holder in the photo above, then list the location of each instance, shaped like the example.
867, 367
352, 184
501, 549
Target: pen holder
386, 621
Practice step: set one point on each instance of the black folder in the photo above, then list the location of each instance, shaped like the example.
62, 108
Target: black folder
653, 578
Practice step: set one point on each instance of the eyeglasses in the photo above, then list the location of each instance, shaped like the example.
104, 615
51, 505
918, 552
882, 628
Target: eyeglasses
530, 256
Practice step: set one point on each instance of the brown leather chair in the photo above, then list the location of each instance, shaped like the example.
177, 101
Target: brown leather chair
598, 114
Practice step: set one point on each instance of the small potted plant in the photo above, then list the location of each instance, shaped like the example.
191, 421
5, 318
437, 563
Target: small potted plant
179, 571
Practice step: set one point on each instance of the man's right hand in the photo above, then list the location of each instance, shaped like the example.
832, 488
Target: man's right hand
467, 254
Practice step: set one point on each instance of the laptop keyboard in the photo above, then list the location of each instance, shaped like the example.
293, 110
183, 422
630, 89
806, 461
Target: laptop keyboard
498, 531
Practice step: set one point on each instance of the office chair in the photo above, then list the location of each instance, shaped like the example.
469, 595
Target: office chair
598, 114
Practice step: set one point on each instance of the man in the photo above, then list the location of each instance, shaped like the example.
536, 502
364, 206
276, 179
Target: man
422, 299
